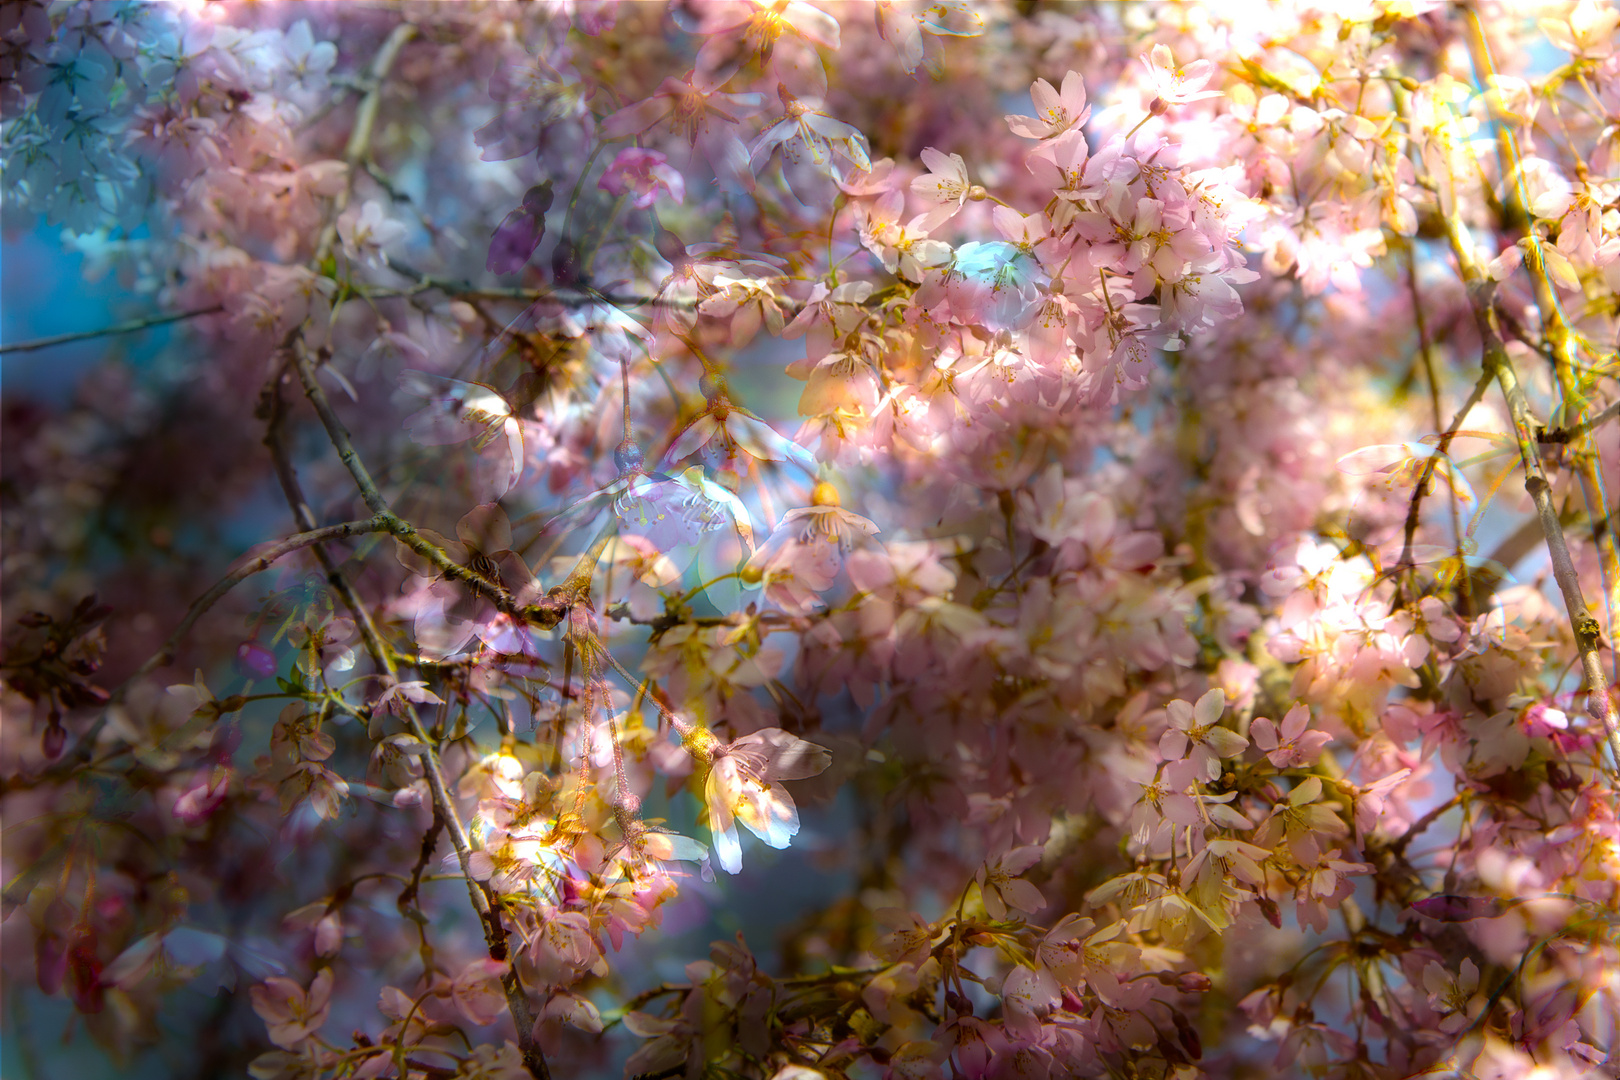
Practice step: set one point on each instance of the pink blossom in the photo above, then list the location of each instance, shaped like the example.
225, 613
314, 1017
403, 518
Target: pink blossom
1197, 727
1175, 85
1289, 746
1055, 111
643, 174
291, 1013
744, 784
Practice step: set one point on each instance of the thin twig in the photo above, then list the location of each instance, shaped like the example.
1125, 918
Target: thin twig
1588, 633
358, 149
1495, 361
258, 564
444, 807
273, 409
1556, 329
547, 612
1429, 466
128, 327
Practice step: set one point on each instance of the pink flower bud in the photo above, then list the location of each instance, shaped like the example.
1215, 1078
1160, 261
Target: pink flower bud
254, 660
54, 739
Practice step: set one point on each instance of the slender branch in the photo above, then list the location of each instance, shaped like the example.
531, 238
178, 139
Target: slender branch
547, 612
365, 121
1497, 363
444, 807
273, 410
1555, 328
575, 297
1584, 428
1399, 845
1429, 466
1588, 633
128, 327
259, 563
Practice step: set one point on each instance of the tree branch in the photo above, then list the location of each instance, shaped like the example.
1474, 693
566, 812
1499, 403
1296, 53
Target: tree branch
128, 327
547, 612
444, 808
365, 121
1556, 330
253, 566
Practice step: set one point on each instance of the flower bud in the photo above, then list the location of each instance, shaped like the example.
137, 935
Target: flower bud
627, 457
54, 739
824, 494
254, 660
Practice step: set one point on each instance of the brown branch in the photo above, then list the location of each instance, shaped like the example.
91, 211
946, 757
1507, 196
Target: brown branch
256, 565
1496, 362
546, 613
444, 807
273, 409
1429, 467
1557, 331
128, 327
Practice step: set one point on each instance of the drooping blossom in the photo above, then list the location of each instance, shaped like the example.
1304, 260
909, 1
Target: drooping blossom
744, 784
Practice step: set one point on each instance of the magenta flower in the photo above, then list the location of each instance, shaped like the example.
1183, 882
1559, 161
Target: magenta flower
642, 173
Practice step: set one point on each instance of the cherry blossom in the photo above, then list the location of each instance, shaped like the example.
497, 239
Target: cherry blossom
645, 173
744, 784
1196, 728
1147, 386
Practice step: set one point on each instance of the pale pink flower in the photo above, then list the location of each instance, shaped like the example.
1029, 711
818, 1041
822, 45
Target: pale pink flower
292, 1014
945, 185
366, 231
1197, 727
907, 938
1001, 887
727, 430
1455, 996
902, 23
1588, 30
691, 105
807, 134
477, 991
744, 784
1289, 746
643, 174
1055, 111
1178, 85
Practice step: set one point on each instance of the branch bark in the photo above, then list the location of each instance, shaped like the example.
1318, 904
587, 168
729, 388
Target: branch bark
256, 565
129, 326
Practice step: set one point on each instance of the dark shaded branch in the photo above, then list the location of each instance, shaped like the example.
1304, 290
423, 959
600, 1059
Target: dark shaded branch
128, 327
259, 563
